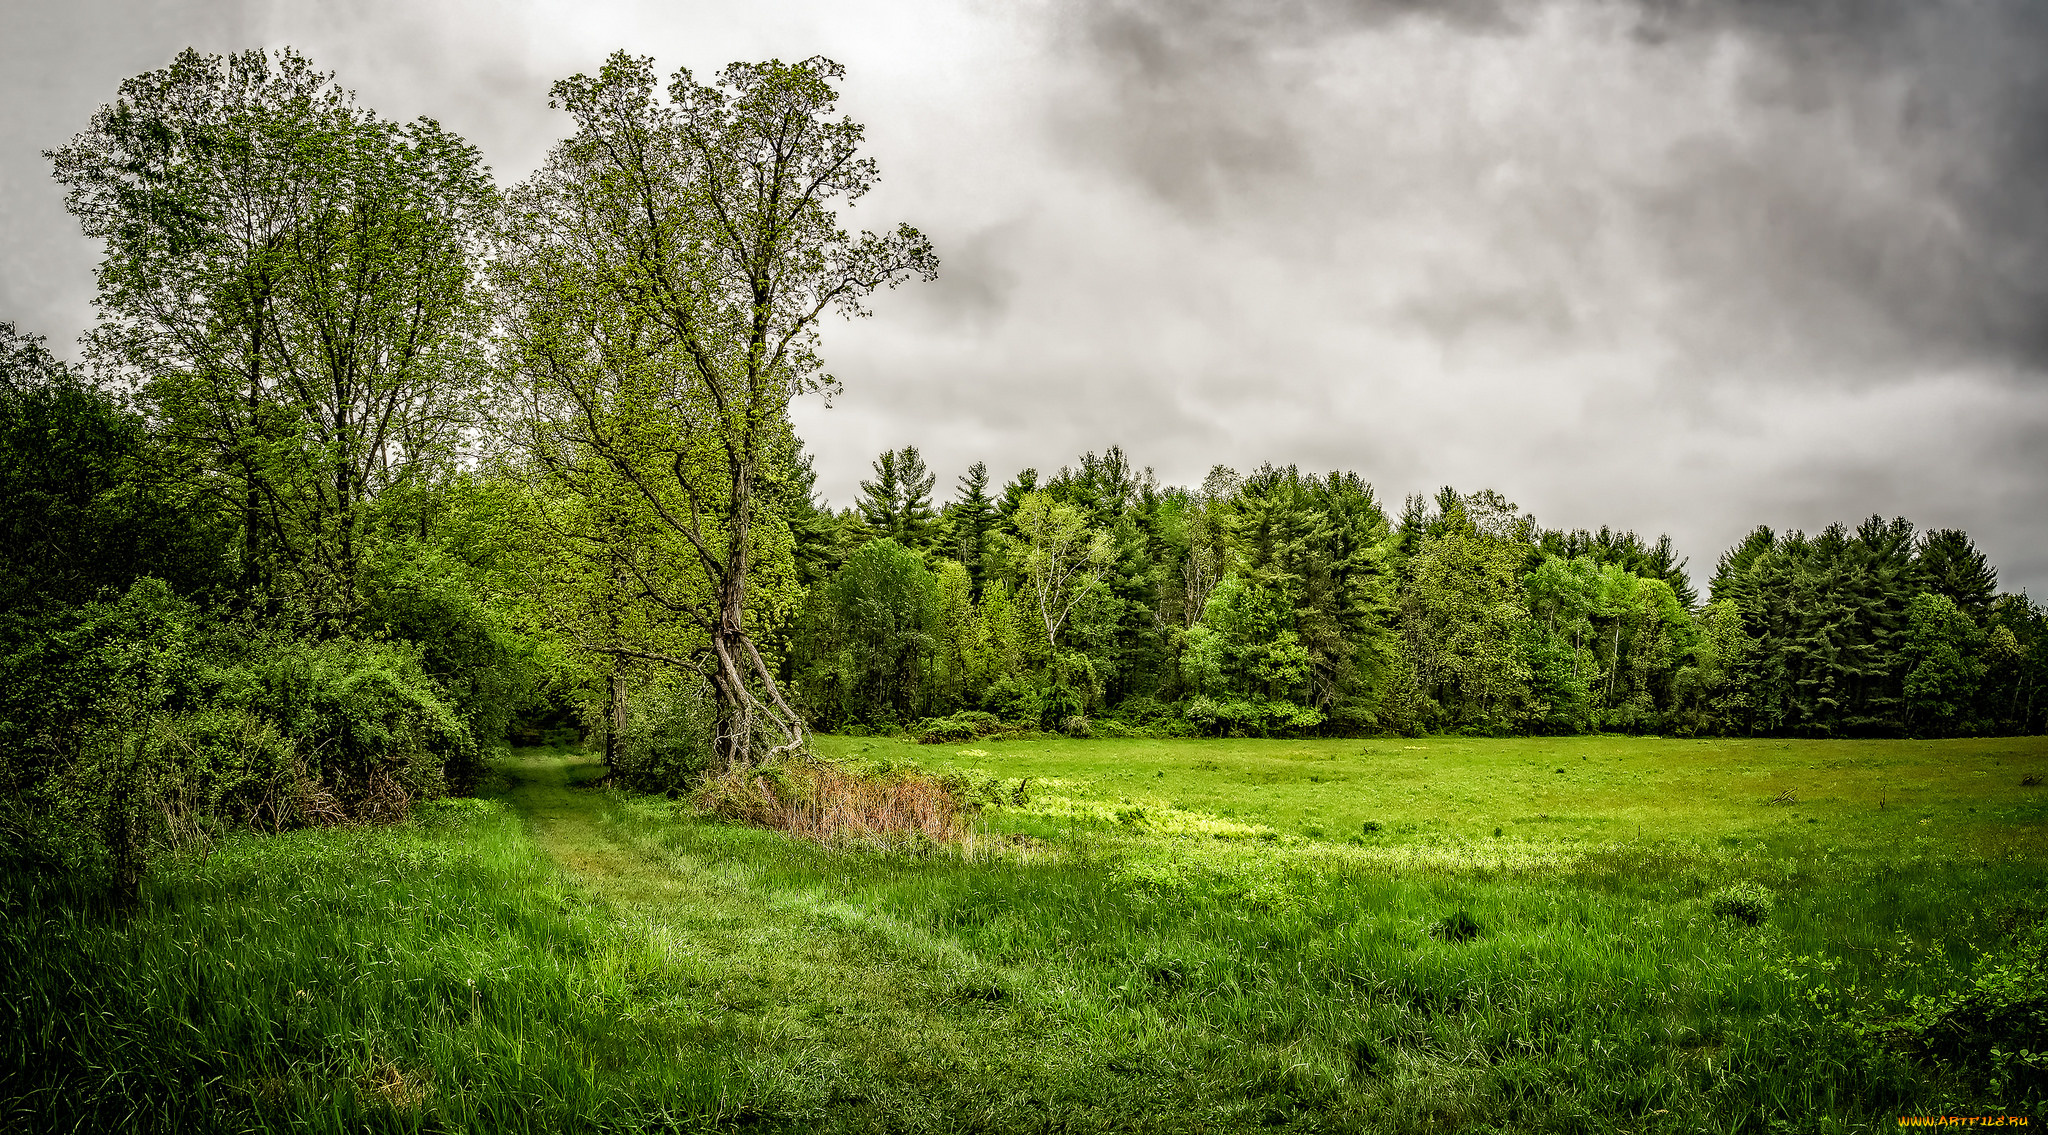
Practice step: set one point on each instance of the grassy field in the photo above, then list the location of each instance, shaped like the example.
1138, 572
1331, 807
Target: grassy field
1387, 935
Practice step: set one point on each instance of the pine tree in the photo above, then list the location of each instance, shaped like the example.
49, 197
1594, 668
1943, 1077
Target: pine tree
882, 498
1953, 566
970, 517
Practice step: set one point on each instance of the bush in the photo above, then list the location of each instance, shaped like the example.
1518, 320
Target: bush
487, 672
1240, 717
1746, 903
1994, 1027
130, 726
666, 741
1015, 699
826, 803
967, 725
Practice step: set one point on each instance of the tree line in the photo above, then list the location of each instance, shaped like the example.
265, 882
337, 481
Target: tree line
373, 464
1285, 603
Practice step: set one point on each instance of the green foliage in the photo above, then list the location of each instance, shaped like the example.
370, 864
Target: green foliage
132, 726
487, 671
86, 502
1993, 1028
897, 504
871, 638
1942, 680
966, 725
677, 397
288, 283
1463, 613
664, 743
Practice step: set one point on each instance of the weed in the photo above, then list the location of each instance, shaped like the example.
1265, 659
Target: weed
1458, 926
1747, 903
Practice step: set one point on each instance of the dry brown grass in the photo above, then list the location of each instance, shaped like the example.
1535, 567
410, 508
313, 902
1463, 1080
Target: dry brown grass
385, 1081
826, 803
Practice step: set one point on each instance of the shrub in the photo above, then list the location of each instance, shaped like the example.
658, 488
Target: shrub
1015, 699
1995, 1025
487, 672
1747, 903
1246, 717
666, 740
967, 725
132, 725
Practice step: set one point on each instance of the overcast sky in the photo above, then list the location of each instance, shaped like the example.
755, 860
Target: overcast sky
1675, 266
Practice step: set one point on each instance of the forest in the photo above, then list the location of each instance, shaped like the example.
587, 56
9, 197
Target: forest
374, 465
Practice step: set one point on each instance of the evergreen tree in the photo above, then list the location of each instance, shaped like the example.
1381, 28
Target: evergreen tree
970, 517
1953, 566
897, 504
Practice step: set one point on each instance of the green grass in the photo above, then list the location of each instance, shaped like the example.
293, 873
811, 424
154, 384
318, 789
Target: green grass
1149, 936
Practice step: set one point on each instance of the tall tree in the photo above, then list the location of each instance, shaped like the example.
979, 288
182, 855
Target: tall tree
289, 281
970, 516
663, 277
1954, 567
84, 509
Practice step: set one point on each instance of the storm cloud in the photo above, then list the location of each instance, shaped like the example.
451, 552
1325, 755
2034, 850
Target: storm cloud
1674, 266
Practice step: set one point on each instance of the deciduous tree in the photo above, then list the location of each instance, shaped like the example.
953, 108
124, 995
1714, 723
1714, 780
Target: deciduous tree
663, 277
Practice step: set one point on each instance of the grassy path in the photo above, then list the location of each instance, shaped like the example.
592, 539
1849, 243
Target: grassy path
852, 1020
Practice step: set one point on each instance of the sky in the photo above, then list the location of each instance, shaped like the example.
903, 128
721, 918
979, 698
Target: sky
1677, 266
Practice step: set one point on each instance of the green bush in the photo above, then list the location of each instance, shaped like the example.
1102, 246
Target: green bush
665, 743
967, 725
487, 673
1996, 1026
133, 725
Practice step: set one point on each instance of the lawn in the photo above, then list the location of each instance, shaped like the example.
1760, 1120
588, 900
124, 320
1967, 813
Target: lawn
1383, 935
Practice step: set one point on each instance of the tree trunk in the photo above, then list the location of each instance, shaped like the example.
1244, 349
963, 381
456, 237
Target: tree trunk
614, 718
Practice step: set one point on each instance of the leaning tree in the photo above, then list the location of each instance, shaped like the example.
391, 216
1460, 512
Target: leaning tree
661, 282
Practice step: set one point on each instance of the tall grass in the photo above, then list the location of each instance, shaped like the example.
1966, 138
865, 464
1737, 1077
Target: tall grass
432, 976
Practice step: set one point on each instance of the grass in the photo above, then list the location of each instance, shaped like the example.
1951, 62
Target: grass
1141, 936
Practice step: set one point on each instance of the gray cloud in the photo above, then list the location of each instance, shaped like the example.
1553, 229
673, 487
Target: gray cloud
1863, 182
58, 62
1674, 265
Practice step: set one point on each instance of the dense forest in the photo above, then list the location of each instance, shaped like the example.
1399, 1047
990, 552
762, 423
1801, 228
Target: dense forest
1282, 602
373, 464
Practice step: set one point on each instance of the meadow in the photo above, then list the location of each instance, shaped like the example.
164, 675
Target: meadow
1441, 934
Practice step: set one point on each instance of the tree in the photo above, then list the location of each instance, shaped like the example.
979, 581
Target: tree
970, 518
1955, 568
1942, 682
897, 504
1061, 560
1463, 609
663, 277
82, 511
875, 631
289, 282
